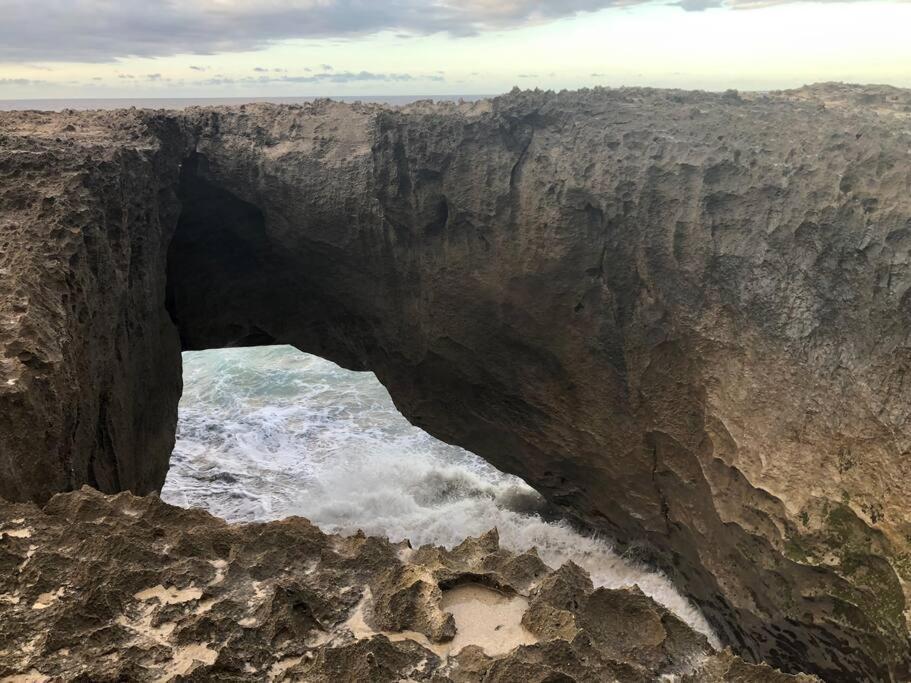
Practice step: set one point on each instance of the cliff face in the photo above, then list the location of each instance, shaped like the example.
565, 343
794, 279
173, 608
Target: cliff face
681, 316
89, 360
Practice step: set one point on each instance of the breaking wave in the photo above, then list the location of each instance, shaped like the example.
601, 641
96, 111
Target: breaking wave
269, 432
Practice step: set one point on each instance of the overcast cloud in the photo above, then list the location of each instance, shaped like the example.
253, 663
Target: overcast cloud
326, 77
104, 30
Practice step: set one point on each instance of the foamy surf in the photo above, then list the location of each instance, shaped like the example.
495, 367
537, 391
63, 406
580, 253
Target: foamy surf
269, 432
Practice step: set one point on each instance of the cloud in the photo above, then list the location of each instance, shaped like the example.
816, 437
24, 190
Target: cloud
701, 5
106, 30
102, 30
20, 81
197, 68
260, 69
221, 81
325, 77
347, 77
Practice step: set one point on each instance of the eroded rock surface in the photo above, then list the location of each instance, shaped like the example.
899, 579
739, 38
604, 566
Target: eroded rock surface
89, 361
683, 317
105, 588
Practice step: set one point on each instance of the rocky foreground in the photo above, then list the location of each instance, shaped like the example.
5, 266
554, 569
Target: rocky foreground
683, 317
101, 588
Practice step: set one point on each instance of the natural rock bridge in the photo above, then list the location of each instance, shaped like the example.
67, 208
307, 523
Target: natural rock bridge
683, 317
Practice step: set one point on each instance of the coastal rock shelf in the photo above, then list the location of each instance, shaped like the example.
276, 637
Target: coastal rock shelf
682, 317
187, 596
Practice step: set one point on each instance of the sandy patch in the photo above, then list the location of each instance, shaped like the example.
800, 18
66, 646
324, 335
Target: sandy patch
169, 596
487, 618
483, 616
45, 600
187, 658
220, 571
32, 676
16, 533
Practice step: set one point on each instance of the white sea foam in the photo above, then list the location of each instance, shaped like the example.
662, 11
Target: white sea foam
270, 432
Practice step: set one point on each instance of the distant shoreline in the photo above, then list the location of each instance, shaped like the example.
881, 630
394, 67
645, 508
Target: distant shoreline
86, 103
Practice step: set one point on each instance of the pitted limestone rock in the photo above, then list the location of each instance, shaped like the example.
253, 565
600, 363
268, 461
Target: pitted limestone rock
99, 588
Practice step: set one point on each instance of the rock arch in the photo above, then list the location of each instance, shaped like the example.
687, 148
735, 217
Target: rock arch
682, 326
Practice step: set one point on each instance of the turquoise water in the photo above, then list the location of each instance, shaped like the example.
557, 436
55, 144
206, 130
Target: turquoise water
269, 432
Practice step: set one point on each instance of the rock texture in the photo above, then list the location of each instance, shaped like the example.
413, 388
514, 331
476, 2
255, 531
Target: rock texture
683, 317
89, 360
185, 596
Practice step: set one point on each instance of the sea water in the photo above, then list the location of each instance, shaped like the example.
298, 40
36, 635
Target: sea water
269, 432
177, 103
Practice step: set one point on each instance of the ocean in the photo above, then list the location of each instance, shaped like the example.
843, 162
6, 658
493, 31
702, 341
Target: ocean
184, 102
269, 432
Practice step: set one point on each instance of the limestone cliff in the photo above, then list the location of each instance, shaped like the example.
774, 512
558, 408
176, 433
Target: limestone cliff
683, 317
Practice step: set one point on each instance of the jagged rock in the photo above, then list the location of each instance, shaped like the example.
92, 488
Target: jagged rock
101, 588
407, 598
682, 317
725, 667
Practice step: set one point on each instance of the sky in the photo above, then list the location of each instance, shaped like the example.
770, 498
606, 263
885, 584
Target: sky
285, 48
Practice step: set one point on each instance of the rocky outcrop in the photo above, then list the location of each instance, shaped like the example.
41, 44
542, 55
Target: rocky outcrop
682, 317
188, 597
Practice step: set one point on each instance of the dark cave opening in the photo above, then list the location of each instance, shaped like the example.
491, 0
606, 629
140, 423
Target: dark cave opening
219, 264
237, 277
